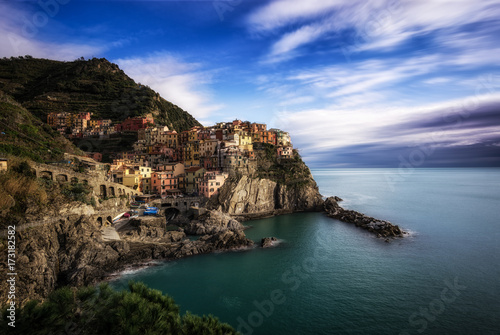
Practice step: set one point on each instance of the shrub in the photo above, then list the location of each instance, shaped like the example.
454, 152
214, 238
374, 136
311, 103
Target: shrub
87, 310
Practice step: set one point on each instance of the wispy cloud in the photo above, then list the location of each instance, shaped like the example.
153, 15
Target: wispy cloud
185, 84
377, 25
456, 123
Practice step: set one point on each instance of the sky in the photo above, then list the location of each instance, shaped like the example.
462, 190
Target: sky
368, 83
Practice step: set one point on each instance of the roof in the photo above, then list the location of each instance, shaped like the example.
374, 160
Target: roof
193, 169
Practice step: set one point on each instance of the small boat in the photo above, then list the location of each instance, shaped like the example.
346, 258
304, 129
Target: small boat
119, 217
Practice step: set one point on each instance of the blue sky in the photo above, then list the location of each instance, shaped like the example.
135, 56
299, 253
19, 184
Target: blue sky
357, 83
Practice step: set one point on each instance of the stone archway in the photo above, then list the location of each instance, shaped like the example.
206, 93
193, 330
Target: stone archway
99, 221
62, 178
171, 213
109, 220
46, 175
111, 191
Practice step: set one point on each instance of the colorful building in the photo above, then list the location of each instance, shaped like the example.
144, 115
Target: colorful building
211, 182
135, 123
192, 175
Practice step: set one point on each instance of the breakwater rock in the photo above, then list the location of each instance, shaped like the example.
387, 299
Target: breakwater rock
379, 227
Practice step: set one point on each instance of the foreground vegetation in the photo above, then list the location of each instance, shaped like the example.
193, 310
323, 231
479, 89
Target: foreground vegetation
89, 310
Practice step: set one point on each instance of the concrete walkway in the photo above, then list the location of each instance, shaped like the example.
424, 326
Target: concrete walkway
110, 234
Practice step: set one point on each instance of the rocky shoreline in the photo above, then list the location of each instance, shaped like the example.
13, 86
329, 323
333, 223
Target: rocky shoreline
72, 251
381, 228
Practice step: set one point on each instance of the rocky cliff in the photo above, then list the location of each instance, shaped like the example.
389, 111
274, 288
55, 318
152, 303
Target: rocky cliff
72, 251
250, 197
277, 187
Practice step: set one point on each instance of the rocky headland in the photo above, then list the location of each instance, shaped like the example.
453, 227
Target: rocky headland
272, 188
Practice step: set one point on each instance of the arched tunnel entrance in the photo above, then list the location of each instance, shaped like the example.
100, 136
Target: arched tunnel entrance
171, 213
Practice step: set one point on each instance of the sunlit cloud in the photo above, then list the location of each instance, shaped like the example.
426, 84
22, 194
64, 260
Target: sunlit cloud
184, 84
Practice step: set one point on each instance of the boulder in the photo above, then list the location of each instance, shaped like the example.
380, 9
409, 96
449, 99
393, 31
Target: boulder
268, 242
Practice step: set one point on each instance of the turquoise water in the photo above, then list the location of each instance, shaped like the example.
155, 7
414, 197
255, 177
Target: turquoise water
328, 277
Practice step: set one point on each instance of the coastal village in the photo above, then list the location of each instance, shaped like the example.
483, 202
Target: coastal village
166, 163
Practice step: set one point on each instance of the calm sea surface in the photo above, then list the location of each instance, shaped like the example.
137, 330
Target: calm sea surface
329, 277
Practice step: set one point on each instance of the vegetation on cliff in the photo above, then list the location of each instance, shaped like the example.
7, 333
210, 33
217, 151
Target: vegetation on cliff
88, 310
23, 135
282, 171
96, 85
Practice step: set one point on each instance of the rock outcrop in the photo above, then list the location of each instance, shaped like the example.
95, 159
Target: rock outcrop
268, 242
249, 197
212, 222
148, 229
379, 227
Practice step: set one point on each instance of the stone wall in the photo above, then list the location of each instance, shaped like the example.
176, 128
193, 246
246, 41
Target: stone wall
100, 186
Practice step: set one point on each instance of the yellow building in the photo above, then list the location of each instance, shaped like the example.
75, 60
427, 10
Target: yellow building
245, 142
132, 178
193, 174
146, 185
93, 123
170, 138
192, 154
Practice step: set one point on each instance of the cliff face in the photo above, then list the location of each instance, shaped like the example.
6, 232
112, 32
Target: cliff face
56, 254
280, 188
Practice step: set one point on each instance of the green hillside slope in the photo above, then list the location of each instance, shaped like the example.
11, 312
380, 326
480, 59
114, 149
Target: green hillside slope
98, 86
23, 135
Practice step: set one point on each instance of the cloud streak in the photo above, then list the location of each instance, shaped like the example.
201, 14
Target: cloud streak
377, 25
360, 135
184, 84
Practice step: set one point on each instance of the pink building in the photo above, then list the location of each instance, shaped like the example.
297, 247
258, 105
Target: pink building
211, 182
162, 182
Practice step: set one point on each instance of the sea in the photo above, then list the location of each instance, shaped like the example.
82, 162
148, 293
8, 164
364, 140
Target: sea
329, 277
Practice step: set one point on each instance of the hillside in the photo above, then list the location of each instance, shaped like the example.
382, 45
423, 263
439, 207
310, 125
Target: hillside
98, 86
23, 135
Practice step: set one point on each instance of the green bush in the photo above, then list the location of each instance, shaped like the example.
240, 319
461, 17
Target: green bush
88, 310
76, 192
